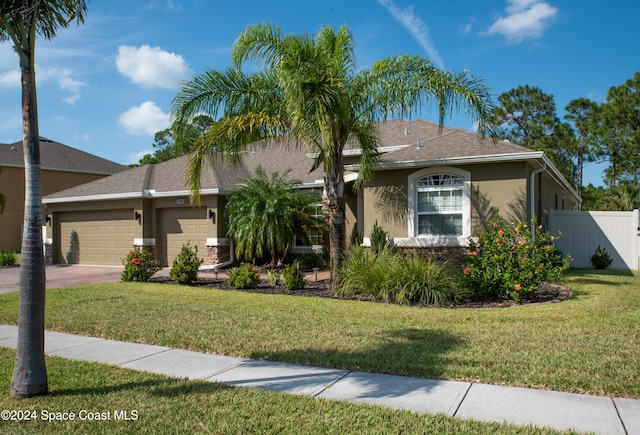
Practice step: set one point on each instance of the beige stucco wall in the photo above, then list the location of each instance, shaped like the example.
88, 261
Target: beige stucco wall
12, 184
502, 186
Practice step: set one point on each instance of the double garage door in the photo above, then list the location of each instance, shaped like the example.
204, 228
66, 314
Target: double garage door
94, 237
105, 237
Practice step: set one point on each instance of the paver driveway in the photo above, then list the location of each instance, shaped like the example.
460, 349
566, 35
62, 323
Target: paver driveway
62, 276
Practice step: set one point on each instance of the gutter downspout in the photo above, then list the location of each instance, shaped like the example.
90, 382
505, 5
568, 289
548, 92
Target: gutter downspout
532, 193
224, 263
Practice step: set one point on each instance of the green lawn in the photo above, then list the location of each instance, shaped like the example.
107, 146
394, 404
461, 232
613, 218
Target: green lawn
158, 404
588, 344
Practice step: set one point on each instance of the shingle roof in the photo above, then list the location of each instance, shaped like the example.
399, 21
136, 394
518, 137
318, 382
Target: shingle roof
421, 140
168, 177
59, 157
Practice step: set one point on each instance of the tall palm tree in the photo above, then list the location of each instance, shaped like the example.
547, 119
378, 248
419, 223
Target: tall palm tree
309, 88
265, 214
20, 22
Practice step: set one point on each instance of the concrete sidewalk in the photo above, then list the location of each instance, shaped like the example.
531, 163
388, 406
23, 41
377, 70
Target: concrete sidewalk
521, 406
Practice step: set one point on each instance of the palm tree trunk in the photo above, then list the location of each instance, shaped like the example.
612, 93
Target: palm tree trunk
30, 374
334, 192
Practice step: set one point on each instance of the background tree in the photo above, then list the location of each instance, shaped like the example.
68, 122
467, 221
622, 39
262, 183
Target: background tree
623, 197
266, 213
583, 113
20, 22
620, 131
309, 88
167, 148
528, 118
593, 197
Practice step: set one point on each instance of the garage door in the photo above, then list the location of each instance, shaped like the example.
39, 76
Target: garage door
177, 226
100, 238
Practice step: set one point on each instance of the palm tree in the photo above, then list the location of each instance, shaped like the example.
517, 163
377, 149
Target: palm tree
20, 22
265, 214
309, 88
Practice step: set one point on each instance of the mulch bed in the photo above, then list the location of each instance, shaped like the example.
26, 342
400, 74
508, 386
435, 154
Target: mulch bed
547, 292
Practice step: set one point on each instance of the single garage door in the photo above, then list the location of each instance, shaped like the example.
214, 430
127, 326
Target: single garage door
176, 227
94, 237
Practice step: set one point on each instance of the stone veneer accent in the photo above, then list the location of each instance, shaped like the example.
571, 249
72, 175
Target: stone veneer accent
217, 254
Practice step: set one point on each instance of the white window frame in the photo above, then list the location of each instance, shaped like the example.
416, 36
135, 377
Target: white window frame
412, 225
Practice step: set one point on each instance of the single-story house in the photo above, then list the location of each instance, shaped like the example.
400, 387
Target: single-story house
62, 167
431, 189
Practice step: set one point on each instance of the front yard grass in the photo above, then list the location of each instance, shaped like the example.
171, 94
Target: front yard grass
159, 404
588, 344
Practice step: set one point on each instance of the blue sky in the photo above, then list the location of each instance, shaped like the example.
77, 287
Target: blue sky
106, 87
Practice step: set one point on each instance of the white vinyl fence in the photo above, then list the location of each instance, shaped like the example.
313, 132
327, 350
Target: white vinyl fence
582, 231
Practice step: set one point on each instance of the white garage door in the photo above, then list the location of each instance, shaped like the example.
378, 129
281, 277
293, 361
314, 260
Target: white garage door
177, 226
95, 237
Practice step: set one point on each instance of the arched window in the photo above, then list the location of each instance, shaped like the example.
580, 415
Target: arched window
439, 203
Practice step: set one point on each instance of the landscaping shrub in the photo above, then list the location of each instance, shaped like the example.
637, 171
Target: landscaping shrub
139, 265
391, 276
425, 282
8, 258
274, 276
601, 258
184, 269
293, 278
508, 262
378, 238
245, 276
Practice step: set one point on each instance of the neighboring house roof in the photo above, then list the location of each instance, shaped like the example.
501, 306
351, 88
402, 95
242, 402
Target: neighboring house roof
55, 156
403, 144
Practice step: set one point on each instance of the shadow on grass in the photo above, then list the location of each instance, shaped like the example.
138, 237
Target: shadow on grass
416, 352
169, 387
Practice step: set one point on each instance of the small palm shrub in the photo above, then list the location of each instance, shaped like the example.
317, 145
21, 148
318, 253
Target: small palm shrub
508, 262
601, 258
378, 238
8, 258
245, 276
184, 269
391, 276
293, 278
139, 266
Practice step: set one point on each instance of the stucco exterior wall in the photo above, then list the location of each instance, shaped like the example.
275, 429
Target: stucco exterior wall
12, 184
502, 186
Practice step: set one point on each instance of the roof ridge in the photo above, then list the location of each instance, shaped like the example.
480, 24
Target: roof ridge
147, 177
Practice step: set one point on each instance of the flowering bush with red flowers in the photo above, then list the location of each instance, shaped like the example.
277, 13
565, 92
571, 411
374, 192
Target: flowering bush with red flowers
509, 262
293, 278
139, 266
244, 277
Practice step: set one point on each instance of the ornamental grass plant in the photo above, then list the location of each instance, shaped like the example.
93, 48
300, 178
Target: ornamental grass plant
391, 276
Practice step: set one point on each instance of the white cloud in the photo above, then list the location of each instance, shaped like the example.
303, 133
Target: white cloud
151, 67
64, 79
10, 79
525, 19
145, 119
135, 157
416, 27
